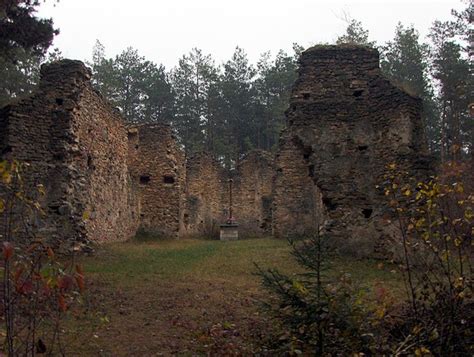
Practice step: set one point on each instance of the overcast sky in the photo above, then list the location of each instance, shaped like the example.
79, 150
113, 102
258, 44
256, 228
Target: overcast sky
164, 30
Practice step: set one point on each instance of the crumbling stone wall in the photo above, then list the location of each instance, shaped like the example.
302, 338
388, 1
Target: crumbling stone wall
103, 179
159, 169
298, 208
253, 193
207, 194
206, 182
76, 146
344, 124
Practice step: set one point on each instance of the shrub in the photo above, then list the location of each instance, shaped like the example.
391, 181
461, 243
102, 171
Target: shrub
329, 317
435, 218
317, 313
38, 290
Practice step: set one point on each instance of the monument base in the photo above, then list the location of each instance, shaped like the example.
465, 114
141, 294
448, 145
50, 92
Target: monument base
229, 232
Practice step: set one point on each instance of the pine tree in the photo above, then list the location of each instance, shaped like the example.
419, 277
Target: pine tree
405, 62
355, 34
194, 81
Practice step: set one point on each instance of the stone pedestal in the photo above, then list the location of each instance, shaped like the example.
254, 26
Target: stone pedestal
229, 232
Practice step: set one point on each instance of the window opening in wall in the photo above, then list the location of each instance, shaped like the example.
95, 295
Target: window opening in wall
306, 96
7, 150
59, 101
144, 179
329, 204
168, 179
362, 147
132, 134
367, 212
90, 164
358, 92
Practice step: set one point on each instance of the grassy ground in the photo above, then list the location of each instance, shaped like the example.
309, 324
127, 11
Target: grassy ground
186, 297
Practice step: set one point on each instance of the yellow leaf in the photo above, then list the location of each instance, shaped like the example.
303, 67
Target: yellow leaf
469, 214
407, 192
380, 312
41, 189
299, 287
422, 351
2, 206
6, 177
420, 223
86, 215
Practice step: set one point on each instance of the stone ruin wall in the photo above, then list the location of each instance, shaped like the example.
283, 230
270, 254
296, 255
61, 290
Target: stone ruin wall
298, 209
103, 179
207, 194
206, 181
158, 168
76, 146
345, 122
253, 193
107, 191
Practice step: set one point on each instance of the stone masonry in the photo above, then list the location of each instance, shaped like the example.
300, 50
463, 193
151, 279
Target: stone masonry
159, 172
105, 180
207, 194
76, 145
253, 193
345, 123
206, 181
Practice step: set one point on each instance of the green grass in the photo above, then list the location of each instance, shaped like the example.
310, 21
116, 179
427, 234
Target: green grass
167, 295
133, 263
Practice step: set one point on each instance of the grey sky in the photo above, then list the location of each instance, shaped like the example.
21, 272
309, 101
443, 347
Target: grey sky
164, 30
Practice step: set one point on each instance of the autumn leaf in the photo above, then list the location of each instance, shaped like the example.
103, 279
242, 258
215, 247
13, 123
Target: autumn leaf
41, 189
86, 215
66, 283
25, 288
8, 250
299, 287
6, 177
62, 303
79, 269
80, 281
